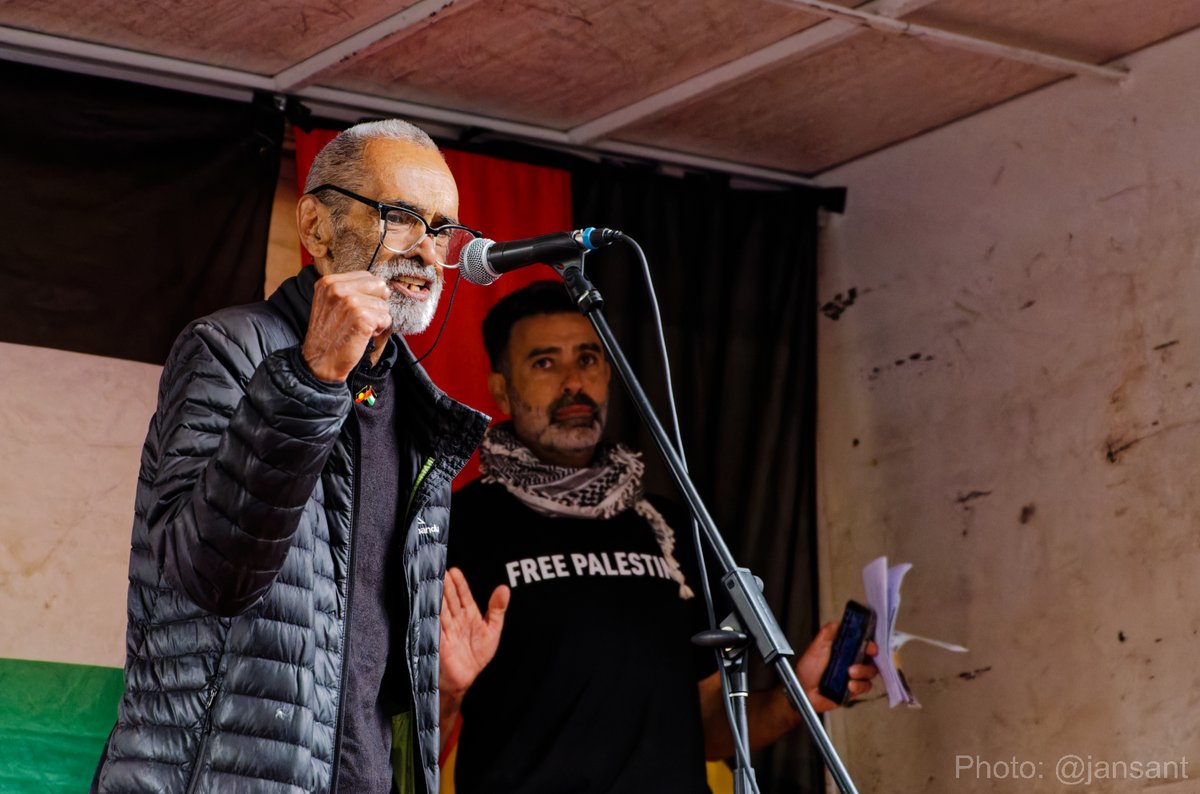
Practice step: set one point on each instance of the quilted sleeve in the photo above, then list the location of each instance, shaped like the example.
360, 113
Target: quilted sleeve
241, 444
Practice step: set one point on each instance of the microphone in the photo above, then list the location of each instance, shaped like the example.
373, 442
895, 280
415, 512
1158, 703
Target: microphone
483, 260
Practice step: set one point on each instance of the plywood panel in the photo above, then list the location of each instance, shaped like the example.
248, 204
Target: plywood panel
875, 90
1089, 30
825, 109
263, 36
560, 64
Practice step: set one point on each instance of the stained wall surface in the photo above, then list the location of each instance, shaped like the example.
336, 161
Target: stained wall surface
1010, 400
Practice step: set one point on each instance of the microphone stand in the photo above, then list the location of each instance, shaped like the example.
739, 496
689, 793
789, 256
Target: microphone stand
749, 605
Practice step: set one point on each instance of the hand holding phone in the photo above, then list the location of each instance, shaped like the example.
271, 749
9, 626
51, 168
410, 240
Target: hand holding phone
849, 647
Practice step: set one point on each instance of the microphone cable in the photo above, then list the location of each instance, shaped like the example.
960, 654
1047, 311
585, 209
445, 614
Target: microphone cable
445, 318
740, 748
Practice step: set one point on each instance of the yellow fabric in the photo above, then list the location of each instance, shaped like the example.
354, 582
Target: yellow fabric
720, 779
447, 784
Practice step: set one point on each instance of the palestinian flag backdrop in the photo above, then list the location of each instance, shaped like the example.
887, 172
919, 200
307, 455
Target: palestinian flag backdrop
70, 436
135, 210
128, 210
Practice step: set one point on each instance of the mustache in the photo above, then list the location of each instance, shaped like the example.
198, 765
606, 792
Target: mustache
574, 399
389, 269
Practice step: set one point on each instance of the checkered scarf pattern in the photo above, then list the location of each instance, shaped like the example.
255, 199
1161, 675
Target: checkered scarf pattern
612, 484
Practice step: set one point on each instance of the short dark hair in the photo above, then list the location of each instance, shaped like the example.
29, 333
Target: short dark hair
540, 297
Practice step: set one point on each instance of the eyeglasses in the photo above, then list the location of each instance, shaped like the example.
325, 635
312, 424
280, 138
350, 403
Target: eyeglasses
401, 230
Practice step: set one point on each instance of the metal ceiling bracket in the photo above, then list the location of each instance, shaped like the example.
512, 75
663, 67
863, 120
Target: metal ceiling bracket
961, 41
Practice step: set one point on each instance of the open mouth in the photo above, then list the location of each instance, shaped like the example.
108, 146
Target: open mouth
416, 287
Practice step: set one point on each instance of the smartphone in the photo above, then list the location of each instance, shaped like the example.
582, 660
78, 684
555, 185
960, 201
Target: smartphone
849, 647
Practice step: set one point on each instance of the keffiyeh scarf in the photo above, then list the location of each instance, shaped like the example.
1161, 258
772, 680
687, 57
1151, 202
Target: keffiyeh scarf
610, 485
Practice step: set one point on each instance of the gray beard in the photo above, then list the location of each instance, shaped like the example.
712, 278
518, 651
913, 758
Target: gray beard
410, 316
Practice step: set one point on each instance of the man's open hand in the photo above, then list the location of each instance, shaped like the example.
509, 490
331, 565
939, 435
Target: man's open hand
469, 639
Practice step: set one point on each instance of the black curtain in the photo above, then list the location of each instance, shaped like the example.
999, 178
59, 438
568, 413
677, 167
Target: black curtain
735, 273
128, 210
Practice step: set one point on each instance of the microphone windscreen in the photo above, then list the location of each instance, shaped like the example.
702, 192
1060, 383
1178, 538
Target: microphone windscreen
473, 266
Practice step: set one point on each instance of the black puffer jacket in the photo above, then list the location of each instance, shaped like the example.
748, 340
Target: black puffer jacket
241, 546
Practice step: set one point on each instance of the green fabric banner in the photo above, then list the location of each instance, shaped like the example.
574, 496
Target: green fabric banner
54, 719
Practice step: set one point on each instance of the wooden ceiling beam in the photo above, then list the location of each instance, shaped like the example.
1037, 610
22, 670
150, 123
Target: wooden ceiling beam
368, 40
808, 41
56, 52
329, 101
844, 23
99, 60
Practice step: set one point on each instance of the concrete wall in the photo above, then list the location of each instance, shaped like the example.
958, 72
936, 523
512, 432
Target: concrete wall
1012, 403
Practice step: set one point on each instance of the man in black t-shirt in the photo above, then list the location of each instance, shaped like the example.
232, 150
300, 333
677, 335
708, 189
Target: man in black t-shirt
581, 677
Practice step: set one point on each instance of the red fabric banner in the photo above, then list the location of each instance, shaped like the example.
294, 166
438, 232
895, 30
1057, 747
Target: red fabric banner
505, 200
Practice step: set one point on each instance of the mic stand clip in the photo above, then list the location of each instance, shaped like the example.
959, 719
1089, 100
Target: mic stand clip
732, 643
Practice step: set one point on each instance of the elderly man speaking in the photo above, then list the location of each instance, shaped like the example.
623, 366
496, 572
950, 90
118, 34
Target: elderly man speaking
296, 454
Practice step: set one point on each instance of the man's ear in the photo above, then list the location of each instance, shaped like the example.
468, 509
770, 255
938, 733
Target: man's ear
498, 386
313, 223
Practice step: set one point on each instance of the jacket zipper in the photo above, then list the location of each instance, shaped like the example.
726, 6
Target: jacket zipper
426, 467
337, 742
412, 496
208, 725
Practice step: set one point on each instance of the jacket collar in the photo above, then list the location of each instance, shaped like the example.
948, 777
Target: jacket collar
294, 298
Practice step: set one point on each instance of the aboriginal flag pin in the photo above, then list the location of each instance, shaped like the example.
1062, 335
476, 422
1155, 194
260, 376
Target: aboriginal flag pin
367, 395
